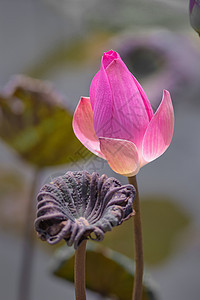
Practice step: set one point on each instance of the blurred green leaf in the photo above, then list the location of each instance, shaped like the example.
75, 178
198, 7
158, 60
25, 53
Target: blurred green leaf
107, 272
162, 221
35, 122
10, 182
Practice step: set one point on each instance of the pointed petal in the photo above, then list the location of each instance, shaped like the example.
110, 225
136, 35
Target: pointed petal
145, 99
102, 111
107, 58
130, 116
159, 133
122, 155
83, 126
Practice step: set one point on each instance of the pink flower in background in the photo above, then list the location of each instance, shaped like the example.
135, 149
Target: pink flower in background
117, 122
191, 5
194, 10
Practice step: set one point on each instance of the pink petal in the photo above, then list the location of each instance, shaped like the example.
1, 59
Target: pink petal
145, 99
130, 112
107, 58
122, 155
83, 126
102, 111
159, 133
93, 89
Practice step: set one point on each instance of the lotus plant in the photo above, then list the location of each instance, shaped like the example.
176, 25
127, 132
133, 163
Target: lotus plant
118, 124
75, 206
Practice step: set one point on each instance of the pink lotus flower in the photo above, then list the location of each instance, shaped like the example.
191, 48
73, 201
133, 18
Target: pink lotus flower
117, 122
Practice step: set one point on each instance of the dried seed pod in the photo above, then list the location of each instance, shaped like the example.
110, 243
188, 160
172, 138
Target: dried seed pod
77, 204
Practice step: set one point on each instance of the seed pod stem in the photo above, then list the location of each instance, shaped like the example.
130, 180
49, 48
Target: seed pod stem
79, 271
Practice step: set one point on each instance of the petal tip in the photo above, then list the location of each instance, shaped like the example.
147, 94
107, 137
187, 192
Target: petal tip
159, 133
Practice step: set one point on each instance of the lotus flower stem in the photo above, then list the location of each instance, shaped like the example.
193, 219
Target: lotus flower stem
139, 264
79, 272
28, 243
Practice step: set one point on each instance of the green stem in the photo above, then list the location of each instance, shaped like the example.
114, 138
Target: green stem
79, 272
139, 264
28, 246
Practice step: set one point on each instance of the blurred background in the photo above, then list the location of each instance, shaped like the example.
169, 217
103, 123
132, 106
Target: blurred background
61, 42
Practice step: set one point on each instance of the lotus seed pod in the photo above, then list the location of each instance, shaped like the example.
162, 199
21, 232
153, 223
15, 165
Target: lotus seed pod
78, 206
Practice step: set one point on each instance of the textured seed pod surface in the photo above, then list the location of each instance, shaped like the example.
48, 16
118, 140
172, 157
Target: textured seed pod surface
79, 205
